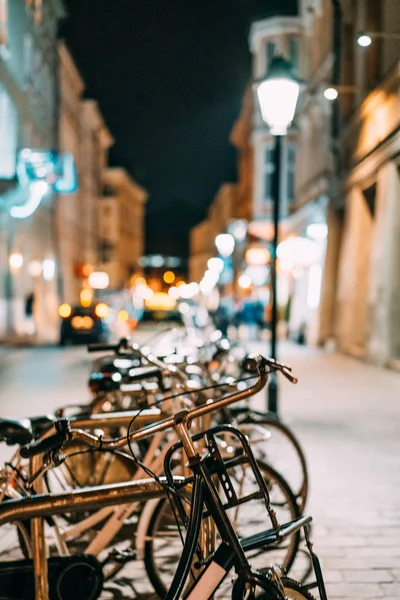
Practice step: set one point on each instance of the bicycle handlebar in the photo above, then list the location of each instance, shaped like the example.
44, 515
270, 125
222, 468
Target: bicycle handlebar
52, 442
253, 363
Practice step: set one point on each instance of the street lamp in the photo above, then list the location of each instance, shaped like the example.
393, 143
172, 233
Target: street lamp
277, 94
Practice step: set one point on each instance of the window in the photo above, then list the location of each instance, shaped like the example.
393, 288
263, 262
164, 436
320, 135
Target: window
37, 8
268, 171
269, 53
8, 135
294, 54
3, 25
291, 169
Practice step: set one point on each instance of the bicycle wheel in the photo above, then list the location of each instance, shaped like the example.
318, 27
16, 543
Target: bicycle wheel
163, 544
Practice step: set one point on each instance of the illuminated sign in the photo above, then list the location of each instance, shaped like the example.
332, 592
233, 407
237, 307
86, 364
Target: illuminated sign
38, 171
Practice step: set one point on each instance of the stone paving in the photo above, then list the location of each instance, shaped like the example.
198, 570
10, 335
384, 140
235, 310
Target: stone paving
346, 414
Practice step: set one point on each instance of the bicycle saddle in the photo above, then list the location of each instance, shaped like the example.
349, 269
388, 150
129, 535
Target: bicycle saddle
23, 431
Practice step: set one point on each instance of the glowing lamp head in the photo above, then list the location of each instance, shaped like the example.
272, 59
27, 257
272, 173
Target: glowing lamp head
331, 93
277, 95
364, 40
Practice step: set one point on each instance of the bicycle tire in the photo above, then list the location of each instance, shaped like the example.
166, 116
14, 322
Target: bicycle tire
152, 564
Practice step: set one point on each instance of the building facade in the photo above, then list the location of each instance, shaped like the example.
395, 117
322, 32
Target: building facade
28, 119
121, 226
367, 322
83, 134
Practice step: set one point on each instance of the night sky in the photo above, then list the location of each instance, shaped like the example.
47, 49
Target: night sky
169, 76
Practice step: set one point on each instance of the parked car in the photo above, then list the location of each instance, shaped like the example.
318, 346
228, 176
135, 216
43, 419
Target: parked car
83, 325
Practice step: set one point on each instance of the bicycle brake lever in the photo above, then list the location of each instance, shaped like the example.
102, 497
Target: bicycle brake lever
288, 375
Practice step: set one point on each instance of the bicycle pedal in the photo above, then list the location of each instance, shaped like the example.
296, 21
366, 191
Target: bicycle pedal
121, 556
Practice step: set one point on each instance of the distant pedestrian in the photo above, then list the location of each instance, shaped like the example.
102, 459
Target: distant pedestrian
29, 314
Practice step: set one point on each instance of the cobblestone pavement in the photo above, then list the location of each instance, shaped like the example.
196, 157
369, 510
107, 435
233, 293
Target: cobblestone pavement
347, 416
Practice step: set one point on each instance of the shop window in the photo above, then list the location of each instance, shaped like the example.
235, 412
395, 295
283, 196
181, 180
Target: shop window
268, 172
294, 54
269, 53
37, 7
8, 135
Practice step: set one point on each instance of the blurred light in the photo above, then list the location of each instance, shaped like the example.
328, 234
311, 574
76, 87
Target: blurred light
299, 252
147, 293
116, 377
16, 260
257, 256
257, 273
173, 292
297, 272
238, 228
140, 281
205, 288
123, 315
317, 231
98, 280
37, 190
169, 277
35, 268
244, 282
184, 308
364, 40
64, 311
225, 243
277, 96
156, 261
331, 93
314, 286
188, 291
215, 264
48, 269
182, 282
160, 301
85, 298
101, 310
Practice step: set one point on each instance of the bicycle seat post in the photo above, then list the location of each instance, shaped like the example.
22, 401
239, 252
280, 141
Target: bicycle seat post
38, 538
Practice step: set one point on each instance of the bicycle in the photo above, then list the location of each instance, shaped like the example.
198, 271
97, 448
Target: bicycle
231, 552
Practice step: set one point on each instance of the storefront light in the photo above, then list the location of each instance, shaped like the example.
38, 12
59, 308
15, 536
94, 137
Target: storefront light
35, 268
299, 252
215, 264
48, 269
244, 282
225, 243
257, 256
16, 261
317, 231
314, 286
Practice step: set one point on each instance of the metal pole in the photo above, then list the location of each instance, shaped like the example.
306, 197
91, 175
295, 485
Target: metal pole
273, 381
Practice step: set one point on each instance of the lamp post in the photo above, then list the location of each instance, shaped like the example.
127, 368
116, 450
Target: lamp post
277, 93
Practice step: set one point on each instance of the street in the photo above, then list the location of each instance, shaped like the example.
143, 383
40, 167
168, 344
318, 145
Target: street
345, 413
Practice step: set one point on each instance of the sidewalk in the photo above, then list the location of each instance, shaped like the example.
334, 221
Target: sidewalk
347, 416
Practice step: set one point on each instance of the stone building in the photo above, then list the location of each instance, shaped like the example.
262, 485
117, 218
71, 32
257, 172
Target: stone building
28, 119
84, 134
121, 226
367, 316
